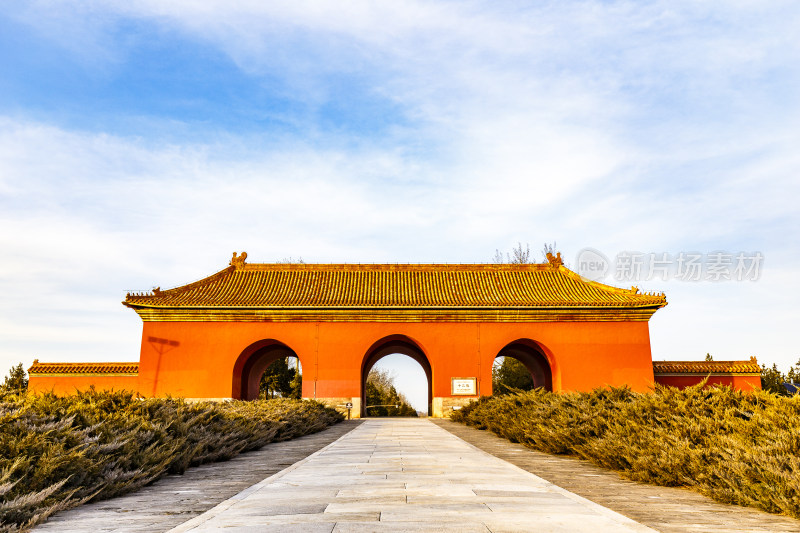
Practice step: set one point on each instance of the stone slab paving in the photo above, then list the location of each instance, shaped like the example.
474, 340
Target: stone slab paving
174, 499
667, 509
406, 475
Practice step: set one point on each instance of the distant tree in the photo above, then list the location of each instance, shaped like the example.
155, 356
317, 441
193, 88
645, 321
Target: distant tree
793, 376
708, 357
518, 255
773, 379
280, 380
381, 393
16, 380
377, 399
510, 374
297, 385
522, 255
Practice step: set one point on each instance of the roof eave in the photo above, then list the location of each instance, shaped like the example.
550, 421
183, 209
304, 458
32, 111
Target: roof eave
135, 306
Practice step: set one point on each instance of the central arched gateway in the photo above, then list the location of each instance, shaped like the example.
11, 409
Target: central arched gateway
390, 345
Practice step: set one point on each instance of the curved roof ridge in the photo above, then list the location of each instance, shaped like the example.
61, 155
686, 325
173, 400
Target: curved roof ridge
401, 267
398, 285
707, 367
158, 291
118, 368
604, 286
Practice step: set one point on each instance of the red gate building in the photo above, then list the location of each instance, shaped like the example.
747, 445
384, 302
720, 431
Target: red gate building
213, 339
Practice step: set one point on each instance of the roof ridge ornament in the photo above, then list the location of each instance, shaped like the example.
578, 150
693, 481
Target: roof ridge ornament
555, 260
238, 262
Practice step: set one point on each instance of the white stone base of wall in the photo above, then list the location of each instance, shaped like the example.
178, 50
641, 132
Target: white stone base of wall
443, 407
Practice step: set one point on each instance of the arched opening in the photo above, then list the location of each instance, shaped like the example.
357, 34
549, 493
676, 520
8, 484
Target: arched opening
283, 378
395, 344
253, 362
521, 364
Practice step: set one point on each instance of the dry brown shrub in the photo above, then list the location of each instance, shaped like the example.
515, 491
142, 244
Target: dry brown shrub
737, 447
59, 452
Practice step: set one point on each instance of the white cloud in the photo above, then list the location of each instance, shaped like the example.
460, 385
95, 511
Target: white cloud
664, 126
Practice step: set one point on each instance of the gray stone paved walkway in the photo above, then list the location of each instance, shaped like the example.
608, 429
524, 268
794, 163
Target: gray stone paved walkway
406, 475
667, 509
174, 499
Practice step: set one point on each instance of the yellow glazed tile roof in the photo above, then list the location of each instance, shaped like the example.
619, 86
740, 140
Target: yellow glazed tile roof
83, 368
707, 367
395, 286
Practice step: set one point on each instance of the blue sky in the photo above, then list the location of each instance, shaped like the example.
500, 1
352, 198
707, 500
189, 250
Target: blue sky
141, 142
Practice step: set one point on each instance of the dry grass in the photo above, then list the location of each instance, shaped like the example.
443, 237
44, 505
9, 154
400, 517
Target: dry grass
736, 447
58, 452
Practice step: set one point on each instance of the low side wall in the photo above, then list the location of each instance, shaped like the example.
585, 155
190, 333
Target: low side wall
65, 385
745, 383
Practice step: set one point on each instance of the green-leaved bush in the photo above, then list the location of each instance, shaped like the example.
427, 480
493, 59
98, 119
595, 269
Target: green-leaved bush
737, 447
58, 452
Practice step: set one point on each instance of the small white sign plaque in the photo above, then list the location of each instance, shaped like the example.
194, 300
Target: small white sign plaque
464, 387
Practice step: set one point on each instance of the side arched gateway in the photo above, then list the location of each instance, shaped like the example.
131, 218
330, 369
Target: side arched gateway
532, 356
391, 345
251, 364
